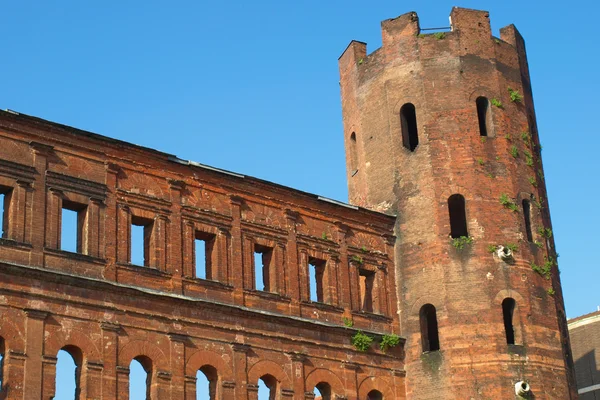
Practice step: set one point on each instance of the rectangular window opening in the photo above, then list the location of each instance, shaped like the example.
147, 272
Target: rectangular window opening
141, 234
5, 196
316, 272
262, 268
366, 286
72, 226
203, 250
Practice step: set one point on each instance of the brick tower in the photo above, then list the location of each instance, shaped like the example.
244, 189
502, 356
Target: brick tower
440, 130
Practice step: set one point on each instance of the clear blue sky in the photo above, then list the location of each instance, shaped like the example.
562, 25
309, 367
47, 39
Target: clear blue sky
253, 87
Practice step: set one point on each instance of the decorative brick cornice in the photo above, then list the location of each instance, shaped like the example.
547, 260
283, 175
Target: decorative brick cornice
122, 369
110, 326
49, 360
350, 365
252, 388
36, 314
164, 375
228, 384
398, 372
40, 148
297, 357
287, 393
95, 365
190, 379
240, 347
17, 355
177, 337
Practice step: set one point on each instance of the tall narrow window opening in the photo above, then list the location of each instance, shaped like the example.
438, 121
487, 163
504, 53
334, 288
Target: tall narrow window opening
353, 155
267, 388
375, 395
72, 227
316, 272
508, 309
141, 235
206, 383
263, 279
408, 122
366, 286
429, 328
68, 371
527, 217
5, 195
458, 216
322, 391
140, 377
203, 254
483, 115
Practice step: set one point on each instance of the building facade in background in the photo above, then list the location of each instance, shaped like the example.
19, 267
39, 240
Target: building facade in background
438, 281
585, 342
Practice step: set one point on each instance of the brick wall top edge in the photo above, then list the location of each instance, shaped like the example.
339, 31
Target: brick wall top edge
9, 119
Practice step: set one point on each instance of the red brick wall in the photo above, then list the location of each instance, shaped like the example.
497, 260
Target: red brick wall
442, 76
111, 311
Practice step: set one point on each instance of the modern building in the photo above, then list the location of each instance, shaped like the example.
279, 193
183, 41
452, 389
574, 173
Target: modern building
585, 342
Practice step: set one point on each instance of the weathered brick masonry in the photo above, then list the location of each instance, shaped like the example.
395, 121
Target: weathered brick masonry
460, 338
472, 152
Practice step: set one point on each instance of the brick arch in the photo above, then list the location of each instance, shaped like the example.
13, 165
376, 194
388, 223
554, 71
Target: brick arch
375, 383
454, 189
421, 301
204, 357
76, 338
319, 375
504, 293
269, 367
481, 91
13, 338
136, 348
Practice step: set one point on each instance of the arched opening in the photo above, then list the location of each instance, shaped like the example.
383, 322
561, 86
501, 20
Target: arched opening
527, 217
458, 216
483, 115
508, 309
408, 122
353, 155
140, 378
68, 373
206, 383
267, 387
322, 391
429, 328
375, 395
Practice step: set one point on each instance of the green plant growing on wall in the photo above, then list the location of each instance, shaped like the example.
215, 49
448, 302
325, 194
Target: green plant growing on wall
460, 243
348, 322
497, 41
512, 247
544, 270
357, 259
528, 158
483, 139
480, 161
551, 291
526, 137
514, 151
364, 249
439, 35
508, 137
540, 174
496, 103
362, 342
539, 203
533, 181
508, 203
492, 248
324, 236
545, 232
388, 341
538, 244
515, 96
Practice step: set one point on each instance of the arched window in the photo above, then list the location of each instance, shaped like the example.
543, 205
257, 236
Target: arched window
508, 309
206, 383
267, 387
408, 122
429, 328
140, 378
68, 373
458, 216
527, 217
322, 391
374, 395
483, 115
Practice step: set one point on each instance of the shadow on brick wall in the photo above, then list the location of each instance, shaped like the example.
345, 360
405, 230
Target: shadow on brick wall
587, 374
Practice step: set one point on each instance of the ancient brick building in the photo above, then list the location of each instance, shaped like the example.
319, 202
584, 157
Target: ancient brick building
447, 245
585, 341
